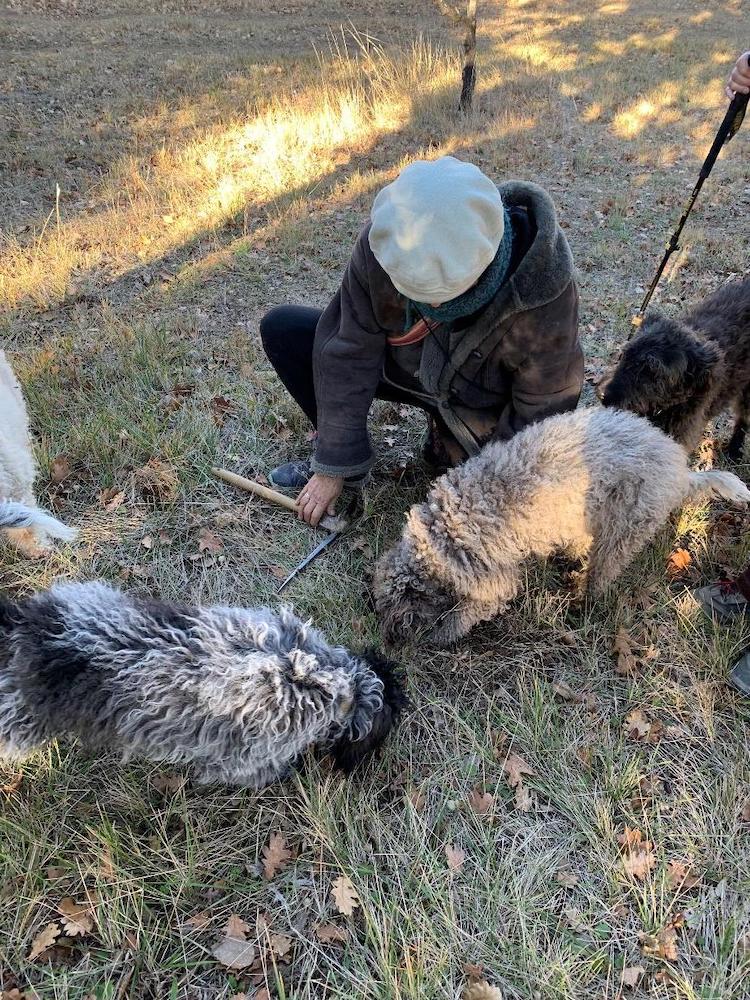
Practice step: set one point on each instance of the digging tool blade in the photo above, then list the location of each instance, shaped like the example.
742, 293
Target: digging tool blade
320, 547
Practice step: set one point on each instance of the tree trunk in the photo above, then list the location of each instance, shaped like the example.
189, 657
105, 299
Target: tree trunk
469, 75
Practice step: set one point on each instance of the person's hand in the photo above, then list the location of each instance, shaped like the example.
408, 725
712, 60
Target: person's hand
739, 78
319, 497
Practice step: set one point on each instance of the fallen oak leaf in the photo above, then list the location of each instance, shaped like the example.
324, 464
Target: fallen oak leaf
523, 800
480, 802
233, 951
481, 990
236, 927
77, 918
455, 856
639, 863
167, 784
344, 896
60, 469
636, 725
645, 600
563, 690
330, 933
632, 837
44, 940
199, 920
661, 945
157, 480
566, 878
680, 876
631, 975
473, 971
678, 563
745, 813
649, 789
12, 786
623, 649
638, 858
276, 855
220, 407
281, 944
515, 767
112, 498
209, 541
418, 799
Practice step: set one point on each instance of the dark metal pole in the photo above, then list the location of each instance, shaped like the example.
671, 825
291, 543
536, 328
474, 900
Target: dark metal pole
728, 128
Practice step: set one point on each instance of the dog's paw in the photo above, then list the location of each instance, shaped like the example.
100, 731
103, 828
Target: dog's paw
29, 543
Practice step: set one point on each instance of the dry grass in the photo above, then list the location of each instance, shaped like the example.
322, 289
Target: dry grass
211, 165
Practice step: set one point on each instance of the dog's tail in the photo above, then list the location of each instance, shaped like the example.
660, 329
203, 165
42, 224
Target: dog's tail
723, 484
20, 515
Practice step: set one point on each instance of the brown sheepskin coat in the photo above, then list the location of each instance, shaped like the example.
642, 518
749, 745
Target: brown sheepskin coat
512, 363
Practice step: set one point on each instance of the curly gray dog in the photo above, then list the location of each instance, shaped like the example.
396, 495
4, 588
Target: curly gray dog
594, 484
680, 373
238, 694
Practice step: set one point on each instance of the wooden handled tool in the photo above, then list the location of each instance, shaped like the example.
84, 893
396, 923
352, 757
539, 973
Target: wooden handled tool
334, 524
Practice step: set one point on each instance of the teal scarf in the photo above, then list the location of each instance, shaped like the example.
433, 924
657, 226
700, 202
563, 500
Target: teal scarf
473, 298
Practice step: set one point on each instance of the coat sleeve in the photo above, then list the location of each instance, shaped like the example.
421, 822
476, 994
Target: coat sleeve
546, 364
348, 357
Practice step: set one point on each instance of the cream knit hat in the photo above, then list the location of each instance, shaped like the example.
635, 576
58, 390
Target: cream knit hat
436, 228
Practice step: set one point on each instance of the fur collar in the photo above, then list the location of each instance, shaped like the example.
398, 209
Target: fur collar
542, 275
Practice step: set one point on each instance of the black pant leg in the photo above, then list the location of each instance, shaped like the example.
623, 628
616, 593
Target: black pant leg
287, 333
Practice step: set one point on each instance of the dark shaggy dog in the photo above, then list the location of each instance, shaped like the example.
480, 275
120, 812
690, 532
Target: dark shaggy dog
682, 372
238, 694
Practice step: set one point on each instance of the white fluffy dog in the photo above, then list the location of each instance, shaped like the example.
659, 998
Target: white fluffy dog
28, 527
594, 484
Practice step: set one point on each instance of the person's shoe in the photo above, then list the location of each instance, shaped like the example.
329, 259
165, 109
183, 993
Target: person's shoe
739, 676
721, 600
290, 475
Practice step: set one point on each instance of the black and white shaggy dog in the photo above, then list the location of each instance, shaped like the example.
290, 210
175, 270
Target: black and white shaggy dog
680, 373
237, 694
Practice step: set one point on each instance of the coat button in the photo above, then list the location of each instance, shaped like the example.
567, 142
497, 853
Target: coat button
477, 355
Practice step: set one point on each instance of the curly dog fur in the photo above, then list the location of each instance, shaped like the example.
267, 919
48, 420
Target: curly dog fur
680, 373
22, 522
593, 484
237, 694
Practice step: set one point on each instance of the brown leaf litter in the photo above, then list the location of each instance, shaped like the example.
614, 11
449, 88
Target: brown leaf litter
455, 856
276, 855
233, 950
515, 767
638, 858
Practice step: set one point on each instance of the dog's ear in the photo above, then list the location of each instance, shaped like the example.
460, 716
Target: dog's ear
656, 365
347, 753
664, 372
702, 356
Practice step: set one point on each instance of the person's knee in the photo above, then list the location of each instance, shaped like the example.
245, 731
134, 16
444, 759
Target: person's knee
272, 328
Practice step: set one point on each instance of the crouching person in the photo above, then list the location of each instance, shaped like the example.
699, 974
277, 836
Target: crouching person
459, 298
